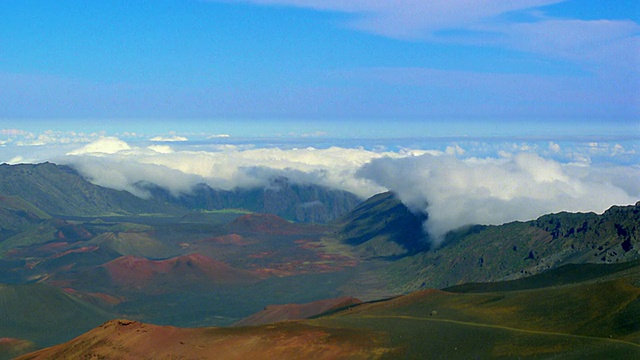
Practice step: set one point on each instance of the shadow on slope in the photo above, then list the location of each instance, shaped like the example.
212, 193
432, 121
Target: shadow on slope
384, 227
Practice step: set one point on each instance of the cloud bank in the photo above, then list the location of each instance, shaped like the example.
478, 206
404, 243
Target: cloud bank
457, 192
457, 184
113, 163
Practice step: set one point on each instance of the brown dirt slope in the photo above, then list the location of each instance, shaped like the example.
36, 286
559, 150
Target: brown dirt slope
123, 339
275, 313
140, 273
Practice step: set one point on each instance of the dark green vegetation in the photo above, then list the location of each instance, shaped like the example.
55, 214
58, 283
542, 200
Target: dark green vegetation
213, 257
575, 321
519, 249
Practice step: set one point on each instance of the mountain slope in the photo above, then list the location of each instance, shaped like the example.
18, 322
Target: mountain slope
44, 314
515, 250
277, 313
594, 319
60, 190
183, 273
383, 226
297, 202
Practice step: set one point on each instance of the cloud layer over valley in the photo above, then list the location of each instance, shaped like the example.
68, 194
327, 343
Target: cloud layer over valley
456, 183
453, 189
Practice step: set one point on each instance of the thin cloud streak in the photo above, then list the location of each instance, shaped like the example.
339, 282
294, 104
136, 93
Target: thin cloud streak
412, 18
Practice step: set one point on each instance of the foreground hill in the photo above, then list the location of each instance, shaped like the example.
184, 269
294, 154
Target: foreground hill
277, 313
594, 318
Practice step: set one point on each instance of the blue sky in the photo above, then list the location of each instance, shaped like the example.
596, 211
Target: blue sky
211, 62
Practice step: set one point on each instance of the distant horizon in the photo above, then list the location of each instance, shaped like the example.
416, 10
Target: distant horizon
486, 112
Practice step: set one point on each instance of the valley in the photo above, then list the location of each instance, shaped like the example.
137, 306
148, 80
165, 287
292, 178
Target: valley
360, 284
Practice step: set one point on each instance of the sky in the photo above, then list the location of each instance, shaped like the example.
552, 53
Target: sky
523, 60
482, 111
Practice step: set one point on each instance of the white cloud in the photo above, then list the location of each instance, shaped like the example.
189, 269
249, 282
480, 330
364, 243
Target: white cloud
174, 138
460, 183
104, 146
217, 136
458, 192
12, 132
16, 160
163, 149
122, 165
554, 147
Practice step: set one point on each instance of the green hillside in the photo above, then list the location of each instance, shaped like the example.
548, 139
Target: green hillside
44, 314
594, 318
18, 204
60, 190
495, 253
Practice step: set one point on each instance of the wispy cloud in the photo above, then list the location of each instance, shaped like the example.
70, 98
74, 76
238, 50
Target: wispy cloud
174, 138
489, 23
412, 18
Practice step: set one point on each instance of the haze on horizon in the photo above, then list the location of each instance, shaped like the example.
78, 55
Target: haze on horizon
477, 112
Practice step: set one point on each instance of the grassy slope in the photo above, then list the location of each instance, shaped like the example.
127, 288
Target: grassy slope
519, 249
17, 203
44, 314
59, 190
593, 319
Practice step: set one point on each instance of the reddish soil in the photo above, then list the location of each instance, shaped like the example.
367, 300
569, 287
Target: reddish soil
191, 270
123, 339
95, 297
229, 239
276, 313
82, 249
